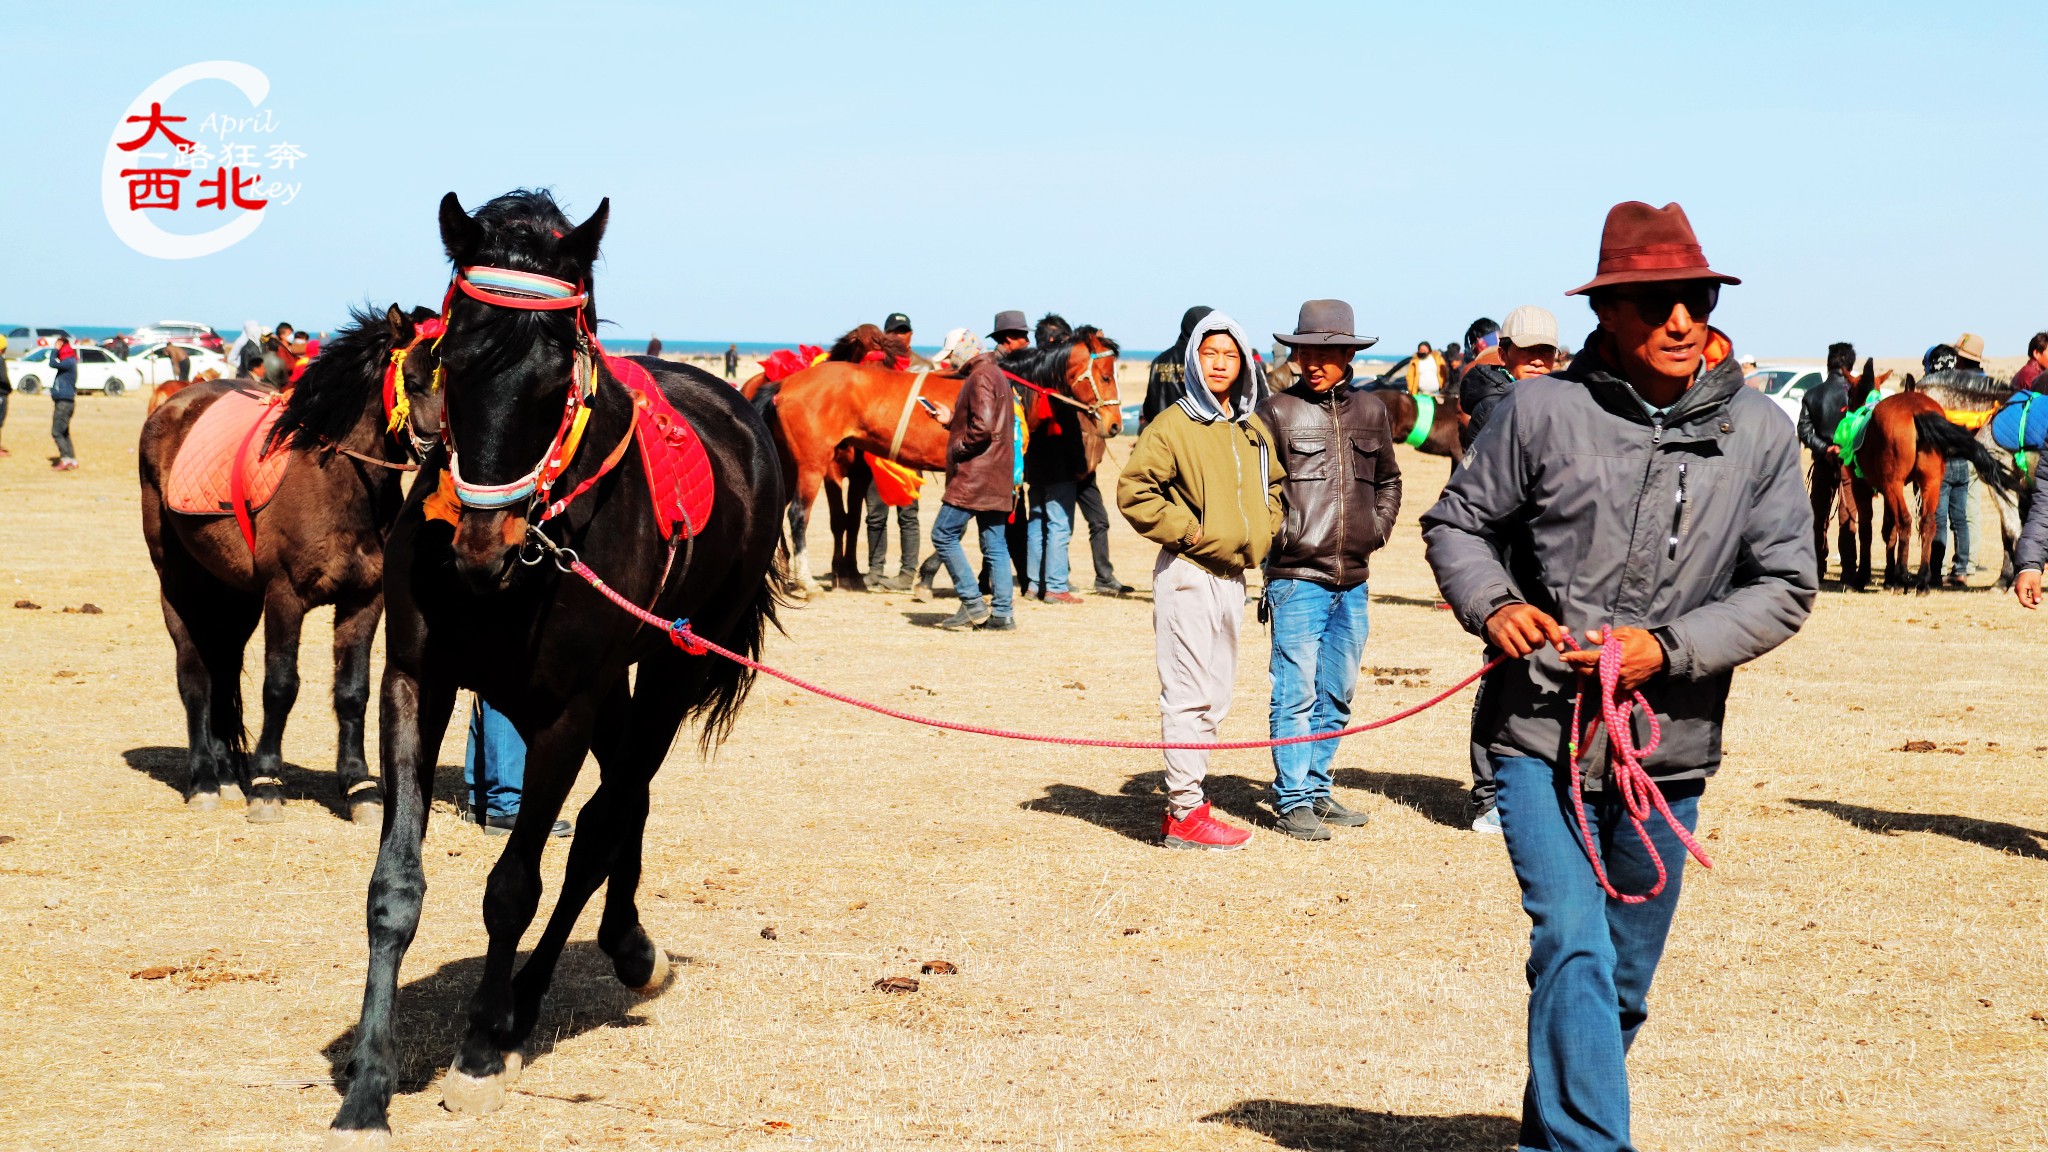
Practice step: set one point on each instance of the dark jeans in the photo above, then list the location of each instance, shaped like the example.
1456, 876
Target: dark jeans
1825, 483
878, 535
497, 757
951, 524
60, 427
1088, 498
1952, 510
1591, 958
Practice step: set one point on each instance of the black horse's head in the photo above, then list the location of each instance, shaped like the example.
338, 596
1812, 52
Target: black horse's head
418, 416
507, 367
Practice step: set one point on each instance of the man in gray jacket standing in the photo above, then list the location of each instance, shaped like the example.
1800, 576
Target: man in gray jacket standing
1643, 499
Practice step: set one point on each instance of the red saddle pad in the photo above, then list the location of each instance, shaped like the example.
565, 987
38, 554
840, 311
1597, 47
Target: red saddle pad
232, 429
678, 470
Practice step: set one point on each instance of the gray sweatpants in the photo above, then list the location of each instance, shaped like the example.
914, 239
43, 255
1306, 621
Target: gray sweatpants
1195, 617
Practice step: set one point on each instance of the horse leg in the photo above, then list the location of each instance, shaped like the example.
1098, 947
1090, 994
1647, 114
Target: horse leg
1931, 470
412, 719
659, 708
195, 688
807, 485
1866, 534
836, 517
284, 614
355, 629
846, 537
488, 1061
1895, 535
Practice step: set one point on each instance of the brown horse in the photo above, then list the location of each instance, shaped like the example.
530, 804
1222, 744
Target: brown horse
319, 540
1908, 441
828, 414
1402, 411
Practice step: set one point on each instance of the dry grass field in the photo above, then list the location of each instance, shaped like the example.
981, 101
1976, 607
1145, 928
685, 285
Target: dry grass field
1863, 969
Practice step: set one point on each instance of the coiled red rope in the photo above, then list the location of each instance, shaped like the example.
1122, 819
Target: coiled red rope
1638, 792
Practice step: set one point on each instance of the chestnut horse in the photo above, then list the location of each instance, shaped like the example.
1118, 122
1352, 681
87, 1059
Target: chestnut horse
1908, 441
826, 415
319, 541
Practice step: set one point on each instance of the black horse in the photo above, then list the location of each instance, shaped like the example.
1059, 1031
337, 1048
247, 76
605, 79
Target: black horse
540, 644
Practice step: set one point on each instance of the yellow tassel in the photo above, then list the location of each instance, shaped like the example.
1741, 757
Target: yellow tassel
401, 404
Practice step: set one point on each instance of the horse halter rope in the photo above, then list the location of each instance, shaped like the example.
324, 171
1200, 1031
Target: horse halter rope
532, 292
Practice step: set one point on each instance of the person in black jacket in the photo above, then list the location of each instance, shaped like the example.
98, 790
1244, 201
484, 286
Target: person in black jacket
1167, 379
1342, 493
1820, 410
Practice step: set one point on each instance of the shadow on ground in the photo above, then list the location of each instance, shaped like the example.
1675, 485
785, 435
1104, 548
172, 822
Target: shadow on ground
1990, 834
1133, 810
1440, 800
1335, 1128
1404, 601
166, 766
430, 1016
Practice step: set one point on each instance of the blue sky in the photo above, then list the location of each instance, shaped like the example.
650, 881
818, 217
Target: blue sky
780, 172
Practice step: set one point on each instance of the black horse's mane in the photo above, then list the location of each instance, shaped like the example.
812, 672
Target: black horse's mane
1046, 364
347, 376
522, 230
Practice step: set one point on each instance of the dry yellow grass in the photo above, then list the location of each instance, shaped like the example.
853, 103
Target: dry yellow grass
1862, 970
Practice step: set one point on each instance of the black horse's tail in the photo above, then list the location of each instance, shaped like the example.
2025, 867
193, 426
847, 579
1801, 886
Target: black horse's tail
727, 682
1954, 442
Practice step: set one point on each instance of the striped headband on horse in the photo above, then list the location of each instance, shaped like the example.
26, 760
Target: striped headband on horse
511, 288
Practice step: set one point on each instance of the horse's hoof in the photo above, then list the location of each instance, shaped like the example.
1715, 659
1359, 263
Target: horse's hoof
657, 979
203, 801
356, 1140
231, 793
265, 810
478, 1095
370, 812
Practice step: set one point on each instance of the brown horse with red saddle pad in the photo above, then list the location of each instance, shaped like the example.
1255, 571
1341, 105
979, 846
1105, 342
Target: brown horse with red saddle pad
265, 505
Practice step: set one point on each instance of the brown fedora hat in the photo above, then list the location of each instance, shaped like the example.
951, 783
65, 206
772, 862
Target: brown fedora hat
1641, 244
1325, 322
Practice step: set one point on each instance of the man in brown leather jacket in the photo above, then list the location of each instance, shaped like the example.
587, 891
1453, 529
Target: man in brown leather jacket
981, 483
1342, 493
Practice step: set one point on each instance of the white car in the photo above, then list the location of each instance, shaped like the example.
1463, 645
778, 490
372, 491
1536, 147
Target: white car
1785, 384
188, 332
98, 371
153, 362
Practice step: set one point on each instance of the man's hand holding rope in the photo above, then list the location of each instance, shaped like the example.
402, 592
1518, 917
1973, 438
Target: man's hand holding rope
1519, 629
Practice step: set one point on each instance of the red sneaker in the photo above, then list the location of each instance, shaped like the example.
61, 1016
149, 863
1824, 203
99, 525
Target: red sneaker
1201, 830
1063, 598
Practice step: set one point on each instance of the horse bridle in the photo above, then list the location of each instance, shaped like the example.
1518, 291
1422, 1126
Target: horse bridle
397, 403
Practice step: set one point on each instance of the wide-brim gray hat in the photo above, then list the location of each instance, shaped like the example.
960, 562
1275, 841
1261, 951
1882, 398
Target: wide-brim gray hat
1325, 322
1011, 321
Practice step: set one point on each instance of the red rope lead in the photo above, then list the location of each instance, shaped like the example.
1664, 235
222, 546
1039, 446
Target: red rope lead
1638, 792
679, 632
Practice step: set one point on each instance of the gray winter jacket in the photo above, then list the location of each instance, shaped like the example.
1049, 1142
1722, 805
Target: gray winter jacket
1693, 525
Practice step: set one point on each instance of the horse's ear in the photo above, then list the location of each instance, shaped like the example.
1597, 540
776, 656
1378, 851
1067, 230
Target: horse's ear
580, 245
1869, 372
460, 233
401, 325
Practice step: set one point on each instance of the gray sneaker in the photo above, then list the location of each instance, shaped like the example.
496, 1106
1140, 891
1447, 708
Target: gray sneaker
900, 582
1302, 823
1334, 813
969, 616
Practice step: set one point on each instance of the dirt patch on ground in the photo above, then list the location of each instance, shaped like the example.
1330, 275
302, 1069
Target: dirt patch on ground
1861, 969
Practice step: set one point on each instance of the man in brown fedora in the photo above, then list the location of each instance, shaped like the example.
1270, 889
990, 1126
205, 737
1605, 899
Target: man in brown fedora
1342, 493
1644, 497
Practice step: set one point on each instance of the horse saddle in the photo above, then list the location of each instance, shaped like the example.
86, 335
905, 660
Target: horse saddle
221, 468
678, 469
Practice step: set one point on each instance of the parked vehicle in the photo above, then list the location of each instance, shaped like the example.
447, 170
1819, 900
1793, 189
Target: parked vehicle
98, 371
21, 341
1785, 384
182, 331
153, 361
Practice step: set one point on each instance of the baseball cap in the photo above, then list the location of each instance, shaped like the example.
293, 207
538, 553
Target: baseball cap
1529, 327
897, 322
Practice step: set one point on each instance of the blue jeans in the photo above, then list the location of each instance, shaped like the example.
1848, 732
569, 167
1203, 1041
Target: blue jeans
497, 752
995, 548
1318, 640
1050, 532
1952, 510
1590, 957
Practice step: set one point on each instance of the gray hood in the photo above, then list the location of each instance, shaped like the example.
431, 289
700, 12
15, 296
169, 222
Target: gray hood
1196, 400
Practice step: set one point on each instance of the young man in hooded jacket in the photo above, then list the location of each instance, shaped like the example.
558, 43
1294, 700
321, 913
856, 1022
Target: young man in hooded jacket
1342, 495
1643, 498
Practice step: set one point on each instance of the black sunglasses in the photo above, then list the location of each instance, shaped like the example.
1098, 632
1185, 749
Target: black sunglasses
1653, 303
